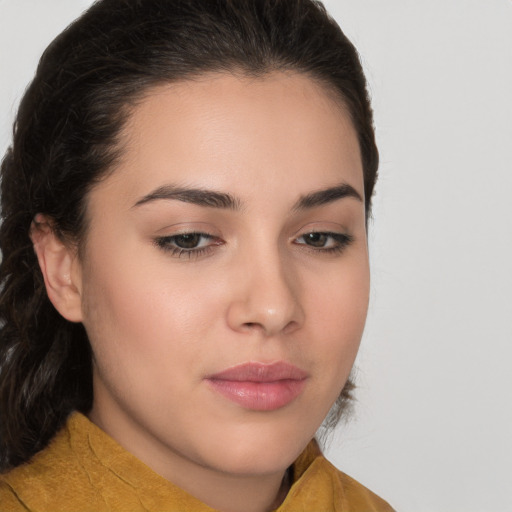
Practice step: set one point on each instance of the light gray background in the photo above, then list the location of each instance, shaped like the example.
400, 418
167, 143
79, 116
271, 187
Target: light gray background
433, 424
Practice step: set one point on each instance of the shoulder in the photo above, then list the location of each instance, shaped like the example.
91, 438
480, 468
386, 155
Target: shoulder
54, 479
350, 494
359, 497
84, 469
319, 485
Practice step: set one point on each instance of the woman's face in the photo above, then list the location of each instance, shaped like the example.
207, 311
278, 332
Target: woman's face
224, 281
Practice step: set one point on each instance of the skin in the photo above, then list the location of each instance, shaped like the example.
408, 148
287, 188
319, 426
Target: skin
160, 321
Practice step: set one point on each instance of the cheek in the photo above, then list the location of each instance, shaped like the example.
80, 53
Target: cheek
338, 314
142, 314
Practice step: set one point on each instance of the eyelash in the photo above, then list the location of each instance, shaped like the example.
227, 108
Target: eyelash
341, 240
168, 244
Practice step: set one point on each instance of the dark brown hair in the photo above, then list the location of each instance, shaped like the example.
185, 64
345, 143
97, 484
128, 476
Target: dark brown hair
65, 140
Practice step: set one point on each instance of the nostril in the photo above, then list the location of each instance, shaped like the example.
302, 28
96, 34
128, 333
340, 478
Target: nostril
268, 310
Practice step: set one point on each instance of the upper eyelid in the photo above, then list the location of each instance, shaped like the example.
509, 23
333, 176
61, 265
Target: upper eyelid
326, 225
185, 233
187, 226
322, 232
172, 236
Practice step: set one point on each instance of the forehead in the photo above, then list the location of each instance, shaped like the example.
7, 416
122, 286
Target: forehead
228, 131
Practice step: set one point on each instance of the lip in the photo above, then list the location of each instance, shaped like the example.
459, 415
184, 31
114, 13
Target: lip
259, 386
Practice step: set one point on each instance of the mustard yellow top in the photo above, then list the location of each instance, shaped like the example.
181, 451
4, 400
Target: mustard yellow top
83, 469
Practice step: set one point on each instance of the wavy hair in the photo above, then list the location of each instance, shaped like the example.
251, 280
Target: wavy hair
65, 139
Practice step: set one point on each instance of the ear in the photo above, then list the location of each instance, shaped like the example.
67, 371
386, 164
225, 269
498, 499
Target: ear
60, 268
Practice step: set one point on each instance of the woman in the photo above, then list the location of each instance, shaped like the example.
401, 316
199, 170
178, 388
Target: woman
185, 267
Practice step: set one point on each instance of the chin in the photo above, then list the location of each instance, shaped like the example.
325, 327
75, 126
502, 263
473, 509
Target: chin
261, 449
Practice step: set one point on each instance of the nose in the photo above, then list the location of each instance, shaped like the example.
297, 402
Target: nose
266, 297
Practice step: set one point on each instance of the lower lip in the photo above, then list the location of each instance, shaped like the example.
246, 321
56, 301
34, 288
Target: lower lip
259, 396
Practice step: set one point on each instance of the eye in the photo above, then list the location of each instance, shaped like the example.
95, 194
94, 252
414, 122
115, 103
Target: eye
190, 240
325, 241
188, 244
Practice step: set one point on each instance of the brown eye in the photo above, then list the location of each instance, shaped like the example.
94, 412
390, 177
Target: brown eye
188, 244
325, 242
316, 239
188, 241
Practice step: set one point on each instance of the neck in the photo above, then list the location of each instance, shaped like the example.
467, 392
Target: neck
225, 492
240, 494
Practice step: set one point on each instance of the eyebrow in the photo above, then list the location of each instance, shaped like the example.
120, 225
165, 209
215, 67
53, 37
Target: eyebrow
200, 197
214, 199
325, 196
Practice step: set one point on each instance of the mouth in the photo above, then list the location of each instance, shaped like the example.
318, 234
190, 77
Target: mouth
259, 386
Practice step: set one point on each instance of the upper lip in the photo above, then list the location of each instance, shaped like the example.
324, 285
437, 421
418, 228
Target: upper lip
260, 372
